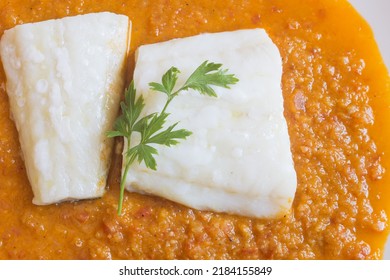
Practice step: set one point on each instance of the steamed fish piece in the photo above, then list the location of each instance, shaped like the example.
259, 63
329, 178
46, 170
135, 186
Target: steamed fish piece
238, 159
64, 82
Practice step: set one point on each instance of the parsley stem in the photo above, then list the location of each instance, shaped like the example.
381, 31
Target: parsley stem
166, 104
129, 162
122, 188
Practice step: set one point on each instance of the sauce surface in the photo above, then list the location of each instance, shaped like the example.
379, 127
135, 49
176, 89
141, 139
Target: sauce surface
337, 100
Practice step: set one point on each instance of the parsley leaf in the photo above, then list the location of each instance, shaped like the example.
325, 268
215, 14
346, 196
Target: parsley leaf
169, 137
201, 79
151, 127
168, 80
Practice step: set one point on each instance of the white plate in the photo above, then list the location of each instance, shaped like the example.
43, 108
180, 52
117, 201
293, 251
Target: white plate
376, 12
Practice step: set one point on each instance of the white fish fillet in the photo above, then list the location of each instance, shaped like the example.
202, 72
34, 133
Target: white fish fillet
64, 82
238, 159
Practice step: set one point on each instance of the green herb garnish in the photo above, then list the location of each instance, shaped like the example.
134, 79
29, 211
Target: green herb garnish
151, 127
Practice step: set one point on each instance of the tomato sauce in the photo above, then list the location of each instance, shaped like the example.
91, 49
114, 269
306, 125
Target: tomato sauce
337, 95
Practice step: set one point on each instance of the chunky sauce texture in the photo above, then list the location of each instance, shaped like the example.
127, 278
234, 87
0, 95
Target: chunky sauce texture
337, 97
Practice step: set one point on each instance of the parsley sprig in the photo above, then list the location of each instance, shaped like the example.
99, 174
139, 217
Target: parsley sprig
151, 127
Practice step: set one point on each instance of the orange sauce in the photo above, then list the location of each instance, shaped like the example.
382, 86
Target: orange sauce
337, 97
